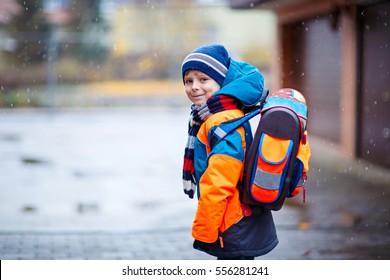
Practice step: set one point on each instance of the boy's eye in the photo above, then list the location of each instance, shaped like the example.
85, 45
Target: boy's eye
187, 82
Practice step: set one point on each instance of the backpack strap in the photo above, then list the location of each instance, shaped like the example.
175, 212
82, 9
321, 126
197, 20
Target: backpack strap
227, 127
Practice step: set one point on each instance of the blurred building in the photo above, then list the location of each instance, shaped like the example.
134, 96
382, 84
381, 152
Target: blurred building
158, 34
89, 40
338, 54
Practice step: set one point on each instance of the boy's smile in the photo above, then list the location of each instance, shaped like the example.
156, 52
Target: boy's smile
199, 86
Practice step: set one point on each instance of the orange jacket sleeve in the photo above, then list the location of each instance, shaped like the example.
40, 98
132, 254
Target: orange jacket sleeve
217, 187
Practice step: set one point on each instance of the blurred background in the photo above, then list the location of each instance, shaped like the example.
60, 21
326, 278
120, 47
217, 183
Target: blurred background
93, 116
65, 48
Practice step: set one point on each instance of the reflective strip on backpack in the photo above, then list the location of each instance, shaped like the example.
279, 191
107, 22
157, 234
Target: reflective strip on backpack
267, 180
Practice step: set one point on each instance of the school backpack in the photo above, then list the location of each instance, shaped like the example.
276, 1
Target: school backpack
273, 170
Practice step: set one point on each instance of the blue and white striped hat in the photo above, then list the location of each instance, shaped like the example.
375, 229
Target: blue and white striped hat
212, 60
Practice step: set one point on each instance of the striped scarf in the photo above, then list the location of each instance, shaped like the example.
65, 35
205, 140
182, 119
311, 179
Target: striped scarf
199, 115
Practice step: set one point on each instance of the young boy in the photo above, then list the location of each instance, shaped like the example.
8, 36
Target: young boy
219, 87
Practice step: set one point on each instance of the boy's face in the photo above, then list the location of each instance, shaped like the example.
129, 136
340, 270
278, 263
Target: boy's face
199, 87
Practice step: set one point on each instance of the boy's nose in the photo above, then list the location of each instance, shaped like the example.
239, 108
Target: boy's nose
195, 85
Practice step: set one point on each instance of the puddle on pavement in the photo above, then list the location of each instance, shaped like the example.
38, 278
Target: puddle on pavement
349, 219
304, 222
81, 208
149, 205
340, 219
87, 208
85, 174
33, 161
29, 209
10, 137
374, 252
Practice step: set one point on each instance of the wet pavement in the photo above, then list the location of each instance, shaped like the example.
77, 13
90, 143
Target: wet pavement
105, 184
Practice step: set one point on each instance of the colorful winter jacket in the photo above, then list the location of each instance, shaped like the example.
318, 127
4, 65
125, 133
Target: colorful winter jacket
219, 227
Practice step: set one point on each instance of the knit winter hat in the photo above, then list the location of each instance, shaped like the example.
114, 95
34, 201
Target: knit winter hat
212, 60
